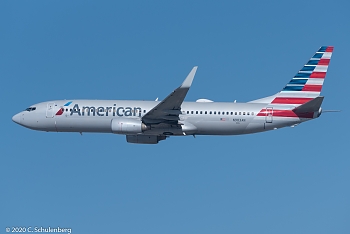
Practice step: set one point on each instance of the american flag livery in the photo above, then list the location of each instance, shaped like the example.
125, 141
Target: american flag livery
305, 86
307, 83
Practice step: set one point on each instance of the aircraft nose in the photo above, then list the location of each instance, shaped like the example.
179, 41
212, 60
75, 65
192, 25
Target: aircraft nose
17, 118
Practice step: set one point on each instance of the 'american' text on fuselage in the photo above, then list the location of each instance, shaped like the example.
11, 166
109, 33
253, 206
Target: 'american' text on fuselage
104, 111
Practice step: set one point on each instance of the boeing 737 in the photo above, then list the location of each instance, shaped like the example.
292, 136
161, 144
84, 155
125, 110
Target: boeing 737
149, 122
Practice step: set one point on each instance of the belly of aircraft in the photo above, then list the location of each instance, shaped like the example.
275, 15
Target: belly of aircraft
221, 127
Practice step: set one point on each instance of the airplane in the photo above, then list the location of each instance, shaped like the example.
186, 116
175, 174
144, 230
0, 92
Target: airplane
148, 122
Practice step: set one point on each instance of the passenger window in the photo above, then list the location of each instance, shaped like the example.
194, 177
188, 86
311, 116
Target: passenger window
243, 113
188, 112
205, 112
196, 112
223, 113
210, 112
192, 112
235, 113
248, 113
214, 112
252, 113
239, 113
231, 113
201, 112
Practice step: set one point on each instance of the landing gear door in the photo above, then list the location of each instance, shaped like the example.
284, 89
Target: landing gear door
269, 114
49, 110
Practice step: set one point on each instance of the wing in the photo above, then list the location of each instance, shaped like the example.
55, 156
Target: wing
168, 110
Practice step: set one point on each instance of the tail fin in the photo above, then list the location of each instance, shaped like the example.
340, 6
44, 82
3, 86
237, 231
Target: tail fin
306, 84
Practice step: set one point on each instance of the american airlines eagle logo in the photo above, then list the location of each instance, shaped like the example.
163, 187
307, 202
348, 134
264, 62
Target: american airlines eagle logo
61, 110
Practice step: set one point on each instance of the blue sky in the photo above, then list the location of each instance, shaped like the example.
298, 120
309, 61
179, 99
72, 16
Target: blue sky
294, 180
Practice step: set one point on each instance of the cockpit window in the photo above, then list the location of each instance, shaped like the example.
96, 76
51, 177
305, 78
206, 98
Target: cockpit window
31, 109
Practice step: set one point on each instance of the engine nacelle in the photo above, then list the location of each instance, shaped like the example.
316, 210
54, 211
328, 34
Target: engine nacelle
127, 126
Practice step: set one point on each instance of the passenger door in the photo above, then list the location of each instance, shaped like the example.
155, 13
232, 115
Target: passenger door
49, 110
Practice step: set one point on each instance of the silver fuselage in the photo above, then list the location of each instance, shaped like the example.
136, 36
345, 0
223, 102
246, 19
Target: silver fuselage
205, 118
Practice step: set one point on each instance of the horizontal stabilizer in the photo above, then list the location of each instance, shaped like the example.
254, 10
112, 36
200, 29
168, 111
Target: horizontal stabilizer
204, 100
310, 106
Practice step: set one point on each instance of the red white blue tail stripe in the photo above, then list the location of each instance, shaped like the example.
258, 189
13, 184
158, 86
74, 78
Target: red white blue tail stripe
304, 87
307, 83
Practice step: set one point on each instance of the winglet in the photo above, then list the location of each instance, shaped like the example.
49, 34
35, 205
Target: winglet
188, 81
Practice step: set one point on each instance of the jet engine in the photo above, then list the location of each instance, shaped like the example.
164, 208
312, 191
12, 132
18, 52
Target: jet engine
127, 126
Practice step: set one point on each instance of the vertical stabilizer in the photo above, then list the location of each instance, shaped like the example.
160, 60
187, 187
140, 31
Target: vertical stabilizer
306, 84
